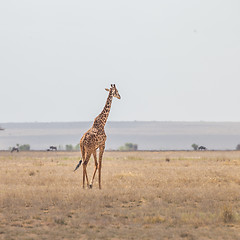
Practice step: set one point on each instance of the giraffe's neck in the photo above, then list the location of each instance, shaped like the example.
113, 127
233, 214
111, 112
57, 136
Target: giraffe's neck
101, 119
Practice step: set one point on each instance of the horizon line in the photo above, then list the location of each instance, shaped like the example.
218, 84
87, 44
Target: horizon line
163, 121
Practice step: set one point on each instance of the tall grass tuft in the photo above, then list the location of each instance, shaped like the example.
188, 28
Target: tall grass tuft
227, 214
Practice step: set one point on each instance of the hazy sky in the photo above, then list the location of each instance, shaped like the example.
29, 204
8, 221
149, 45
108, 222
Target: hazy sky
171, 60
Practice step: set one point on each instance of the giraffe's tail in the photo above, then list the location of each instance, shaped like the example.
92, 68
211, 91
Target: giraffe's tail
79, 164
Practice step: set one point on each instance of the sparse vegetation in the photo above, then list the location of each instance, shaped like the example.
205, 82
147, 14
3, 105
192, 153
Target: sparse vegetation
143, 196
31, 173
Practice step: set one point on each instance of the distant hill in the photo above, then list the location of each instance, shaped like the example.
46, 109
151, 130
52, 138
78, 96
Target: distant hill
148, 135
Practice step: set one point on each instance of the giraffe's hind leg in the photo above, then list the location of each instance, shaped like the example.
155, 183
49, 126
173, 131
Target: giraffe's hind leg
96, 167
85, 169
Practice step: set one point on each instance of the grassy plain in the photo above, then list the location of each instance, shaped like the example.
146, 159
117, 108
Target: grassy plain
192, 195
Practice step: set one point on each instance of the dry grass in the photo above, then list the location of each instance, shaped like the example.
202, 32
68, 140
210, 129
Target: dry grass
194, 195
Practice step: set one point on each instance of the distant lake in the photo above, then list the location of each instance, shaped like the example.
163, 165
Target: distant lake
148, 135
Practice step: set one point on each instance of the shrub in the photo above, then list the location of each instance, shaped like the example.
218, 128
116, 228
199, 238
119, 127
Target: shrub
24, 147
77, 147
195, 146
227, 214
69, 147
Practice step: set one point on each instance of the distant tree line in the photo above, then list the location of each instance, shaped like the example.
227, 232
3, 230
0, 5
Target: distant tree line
196, 147
23, 147
27, 147
129, 147
125, 147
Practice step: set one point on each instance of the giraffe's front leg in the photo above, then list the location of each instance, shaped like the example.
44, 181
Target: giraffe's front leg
101, 151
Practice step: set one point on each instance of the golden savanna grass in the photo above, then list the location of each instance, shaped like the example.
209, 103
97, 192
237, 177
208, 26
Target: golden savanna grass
195, 195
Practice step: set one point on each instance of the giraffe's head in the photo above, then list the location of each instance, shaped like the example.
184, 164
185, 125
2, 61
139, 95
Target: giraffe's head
114, 91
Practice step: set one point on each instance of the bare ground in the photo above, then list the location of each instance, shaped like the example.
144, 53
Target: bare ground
194, 195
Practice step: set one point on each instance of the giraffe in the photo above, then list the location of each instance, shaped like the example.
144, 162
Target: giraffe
95, 138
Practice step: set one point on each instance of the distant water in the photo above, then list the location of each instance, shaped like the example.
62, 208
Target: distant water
148, 135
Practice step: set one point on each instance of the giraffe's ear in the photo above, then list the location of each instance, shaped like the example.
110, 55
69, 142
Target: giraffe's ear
107, 89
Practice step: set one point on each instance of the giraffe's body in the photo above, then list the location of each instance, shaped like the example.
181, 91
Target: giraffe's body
95, 138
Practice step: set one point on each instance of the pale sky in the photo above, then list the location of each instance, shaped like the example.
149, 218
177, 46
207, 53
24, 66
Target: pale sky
170, 60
